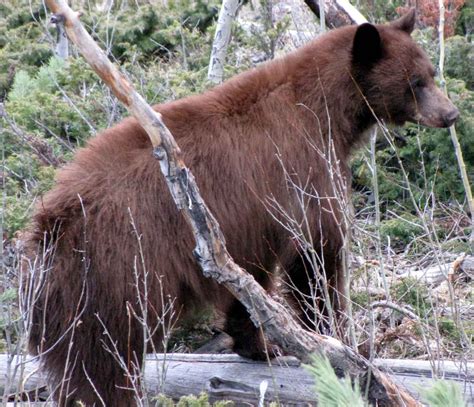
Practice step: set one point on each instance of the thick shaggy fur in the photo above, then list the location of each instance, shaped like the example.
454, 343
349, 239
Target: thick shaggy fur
109, 225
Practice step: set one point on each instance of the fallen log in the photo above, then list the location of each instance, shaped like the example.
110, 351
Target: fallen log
230, 377
462, 267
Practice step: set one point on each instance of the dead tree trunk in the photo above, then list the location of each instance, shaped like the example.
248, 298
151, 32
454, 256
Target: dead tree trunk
210, 252
336, 13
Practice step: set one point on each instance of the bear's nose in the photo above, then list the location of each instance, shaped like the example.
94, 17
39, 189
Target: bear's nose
451, 117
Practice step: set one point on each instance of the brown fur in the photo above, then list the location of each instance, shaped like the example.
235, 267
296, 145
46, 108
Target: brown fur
236, 138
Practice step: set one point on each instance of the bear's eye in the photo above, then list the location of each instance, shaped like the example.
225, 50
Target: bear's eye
416, 83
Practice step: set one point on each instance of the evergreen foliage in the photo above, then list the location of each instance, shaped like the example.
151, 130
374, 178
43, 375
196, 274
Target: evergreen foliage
62, 104
443, 394
413, 293
332, 391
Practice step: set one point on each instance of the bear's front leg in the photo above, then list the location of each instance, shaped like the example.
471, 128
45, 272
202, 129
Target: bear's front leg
316, 291
249, 341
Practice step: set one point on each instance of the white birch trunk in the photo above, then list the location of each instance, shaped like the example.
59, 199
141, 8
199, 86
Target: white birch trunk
221, 40
62, 45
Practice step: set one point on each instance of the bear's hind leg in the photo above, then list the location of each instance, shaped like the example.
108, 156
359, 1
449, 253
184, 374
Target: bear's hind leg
96, 363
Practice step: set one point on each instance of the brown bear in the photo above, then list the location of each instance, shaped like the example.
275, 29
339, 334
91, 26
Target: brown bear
111, 258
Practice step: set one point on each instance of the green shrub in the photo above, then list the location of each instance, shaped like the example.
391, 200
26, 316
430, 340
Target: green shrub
460, 60
26, 179
401, 230
9, 318
151, 31
190, 401
361, 298
452, 331
465, 23
22, 41
412, 292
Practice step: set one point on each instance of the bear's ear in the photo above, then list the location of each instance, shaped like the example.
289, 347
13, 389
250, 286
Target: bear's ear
367, 46
405, 23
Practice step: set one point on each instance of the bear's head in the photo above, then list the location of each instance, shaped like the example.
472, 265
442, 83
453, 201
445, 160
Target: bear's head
396, 76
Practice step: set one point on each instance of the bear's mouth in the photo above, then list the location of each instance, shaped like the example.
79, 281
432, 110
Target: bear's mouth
437, 121
434, 109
